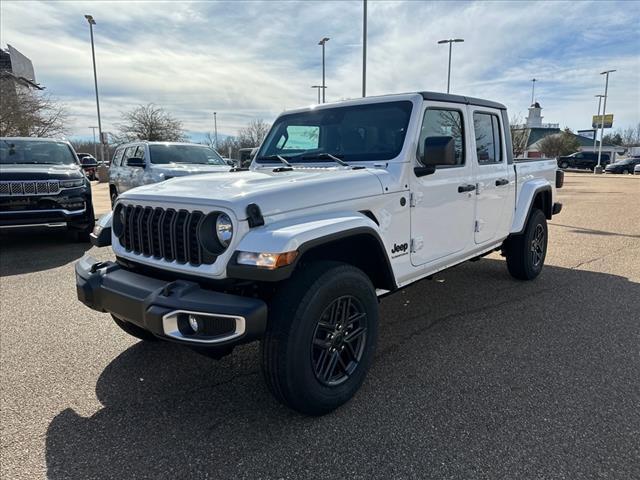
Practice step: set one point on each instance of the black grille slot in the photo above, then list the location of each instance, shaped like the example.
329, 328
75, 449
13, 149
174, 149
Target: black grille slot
164, 234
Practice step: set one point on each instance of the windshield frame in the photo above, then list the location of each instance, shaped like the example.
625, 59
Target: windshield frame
34, 141
155, 146
407, 102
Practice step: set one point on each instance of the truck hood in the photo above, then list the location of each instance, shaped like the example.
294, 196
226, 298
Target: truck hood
273, 192
28, 171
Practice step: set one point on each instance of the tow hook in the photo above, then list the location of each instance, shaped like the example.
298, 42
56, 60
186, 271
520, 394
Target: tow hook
97, 266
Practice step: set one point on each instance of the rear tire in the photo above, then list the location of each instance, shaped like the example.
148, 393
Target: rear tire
114, 196
321, 337
134, 330
526, 252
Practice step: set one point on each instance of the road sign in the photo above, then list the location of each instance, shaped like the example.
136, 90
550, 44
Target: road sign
596, 122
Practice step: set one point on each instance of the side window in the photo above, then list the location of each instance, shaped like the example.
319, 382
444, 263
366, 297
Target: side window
140, 152
129, 153
117, 157
443, 125
488, 142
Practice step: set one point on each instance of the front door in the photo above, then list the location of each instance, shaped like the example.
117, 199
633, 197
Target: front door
493, 181
442, 213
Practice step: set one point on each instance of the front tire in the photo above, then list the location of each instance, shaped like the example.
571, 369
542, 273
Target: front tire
134, 330
526, 252
564, 165
321, 337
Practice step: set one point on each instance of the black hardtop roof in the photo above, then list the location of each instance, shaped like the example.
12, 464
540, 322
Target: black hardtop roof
447, 97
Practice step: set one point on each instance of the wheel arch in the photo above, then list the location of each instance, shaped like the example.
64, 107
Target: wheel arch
538, 196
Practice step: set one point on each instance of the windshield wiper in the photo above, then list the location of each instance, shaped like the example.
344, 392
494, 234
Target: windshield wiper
277, 157
310, 156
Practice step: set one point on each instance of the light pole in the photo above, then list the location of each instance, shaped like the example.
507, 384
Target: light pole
606, 73
451, 41
215, 128
364, 49
318, 87
92, 22
533, 90
95, 145
595, 132
323, 42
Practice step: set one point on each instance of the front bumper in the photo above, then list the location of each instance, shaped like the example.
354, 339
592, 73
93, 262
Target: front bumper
154, 304
73, 208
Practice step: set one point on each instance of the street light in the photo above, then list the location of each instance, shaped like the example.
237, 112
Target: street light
318, 87
92, 22
364, 49
598, 168
450, 42
95, 145
595, 133
323, 42
533, 90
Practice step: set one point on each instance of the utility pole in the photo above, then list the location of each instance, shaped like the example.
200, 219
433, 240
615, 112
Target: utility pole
323, 42
215, 128
364, 49
450, 41
95, 145
533, 90
595, 132
92, 22
318, 87
598, 168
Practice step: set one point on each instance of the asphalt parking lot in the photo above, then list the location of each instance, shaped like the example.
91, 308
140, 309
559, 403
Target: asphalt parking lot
476, 375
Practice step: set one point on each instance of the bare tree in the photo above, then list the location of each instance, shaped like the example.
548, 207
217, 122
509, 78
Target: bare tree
519, 136
559, 144
149, 122
253, 134
28, 113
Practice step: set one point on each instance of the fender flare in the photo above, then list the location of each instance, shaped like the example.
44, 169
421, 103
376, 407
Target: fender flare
528, 193
303, 235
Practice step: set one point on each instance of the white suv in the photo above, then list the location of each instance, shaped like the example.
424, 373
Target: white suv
141, 163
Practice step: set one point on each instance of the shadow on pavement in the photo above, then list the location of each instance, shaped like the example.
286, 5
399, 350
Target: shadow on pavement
37, 249
488, 378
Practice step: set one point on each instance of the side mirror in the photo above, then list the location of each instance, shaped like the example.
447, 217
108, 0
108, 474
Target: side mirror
135, 162
438, 151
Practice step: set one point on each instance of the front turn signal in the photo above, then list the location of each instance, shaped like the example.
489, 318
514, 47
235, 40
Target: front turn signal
270, 261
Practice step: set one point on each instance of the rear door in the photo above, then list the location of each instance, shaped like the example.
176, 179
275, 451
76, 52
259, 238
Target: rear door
126, 172
493, 184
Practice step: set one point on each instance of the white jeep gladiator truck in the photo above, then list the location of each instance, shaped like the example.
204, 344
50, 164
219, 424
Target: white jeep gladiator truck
343, 203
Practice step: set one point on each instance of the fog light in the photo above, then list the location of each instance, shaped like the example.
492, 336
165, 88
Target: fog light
193, 323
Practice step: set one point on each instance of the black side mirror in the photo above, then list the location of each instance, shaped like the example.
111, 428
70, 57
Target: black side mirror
438, 151
135, 162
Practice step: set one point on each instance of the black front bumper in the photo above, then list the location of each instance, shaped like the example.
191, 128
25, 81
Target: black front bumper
147, 301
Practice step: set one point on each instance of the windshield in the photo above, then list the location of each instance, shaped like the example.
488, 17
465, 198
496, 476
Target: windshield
14, 151
356, 133
192, 154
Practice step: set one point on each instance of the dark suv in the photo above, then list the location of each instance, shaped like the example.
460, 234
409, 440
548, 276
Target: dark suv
42, 184
588, 160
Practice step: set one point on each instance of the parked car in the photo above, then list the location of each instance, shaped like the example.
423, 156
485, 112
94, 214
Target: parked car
623, 166
343, 203
636, 169
89, 164
588, 160
42, 185
141, 163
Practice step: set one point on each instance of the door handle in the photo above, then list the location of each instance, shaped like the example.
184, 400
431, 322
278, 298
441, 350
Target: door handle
466, 188
501, 181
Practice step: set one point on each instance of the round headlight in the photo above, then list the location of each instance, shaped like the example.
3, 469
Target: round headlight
224, 229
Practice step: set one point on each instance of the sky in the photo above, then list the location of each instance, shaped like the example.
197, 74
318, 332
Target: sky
247, 60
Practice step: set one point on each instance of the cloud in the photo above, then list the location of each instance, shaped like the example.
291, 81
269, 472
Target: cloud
249, 60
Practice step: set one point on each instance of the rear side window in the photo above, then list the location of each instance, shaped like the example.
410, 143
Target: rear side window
117, 157
488, 143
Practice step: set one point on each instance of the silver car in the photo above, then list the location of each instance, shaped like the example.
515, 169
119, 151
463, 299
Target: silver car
141, 163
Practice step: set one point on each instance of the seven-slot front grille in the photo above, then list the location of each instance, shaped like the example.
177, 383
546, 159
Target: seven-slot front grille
26, 187
163, 233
